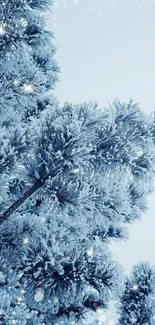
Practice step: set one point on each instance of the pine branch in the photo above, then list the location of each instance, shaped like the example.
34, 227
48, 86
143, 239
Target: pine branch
20, 201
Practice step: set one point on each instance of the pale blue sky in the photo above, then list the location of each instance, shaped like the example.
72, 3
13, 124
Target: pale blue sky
106, 54
106, 49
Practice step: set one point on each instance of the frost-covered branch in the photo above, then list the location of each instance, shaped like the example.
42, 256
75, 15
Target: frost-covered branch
19, 202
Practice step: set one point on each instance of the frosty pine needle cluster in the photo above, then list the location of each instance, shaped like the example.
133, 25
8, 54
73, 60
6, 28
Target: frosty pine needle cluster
71, 179
27, 73
136, 305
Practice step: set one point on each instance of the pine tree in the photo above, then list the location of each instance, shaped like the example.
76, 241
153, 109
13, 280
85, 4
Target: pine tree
27, 73
136, 304
55, 262
69, 187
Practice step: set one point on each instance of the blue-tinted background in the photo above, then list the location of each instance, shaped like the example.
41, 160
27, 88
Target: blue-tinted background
106, 49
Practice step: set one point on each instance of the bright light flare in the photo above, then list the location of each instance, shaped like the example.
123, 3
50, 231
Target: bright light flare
28, 88
15, 82
20, 299
25, 241
14, 322
135, 287
90, 252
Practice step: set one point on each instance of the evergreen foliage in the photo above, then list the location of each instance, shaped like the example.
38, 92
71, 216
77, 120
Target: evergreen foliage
81, 196
27, 73
71, 179
136, 304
